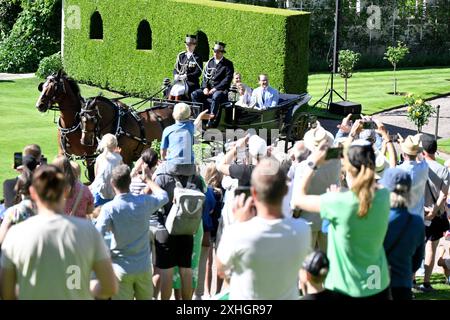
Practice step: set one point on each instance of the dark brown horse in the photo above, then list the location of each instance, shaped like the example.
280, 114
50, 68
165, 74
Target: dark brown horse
63, 94
134, 130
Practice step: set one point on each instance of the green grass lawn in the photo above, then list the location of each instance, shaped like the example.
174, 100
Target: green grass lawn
370, 88
441, 292
444, 145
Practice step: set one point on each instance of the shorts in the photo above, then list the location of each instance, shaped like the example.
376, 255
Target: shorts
437, 228
172, 251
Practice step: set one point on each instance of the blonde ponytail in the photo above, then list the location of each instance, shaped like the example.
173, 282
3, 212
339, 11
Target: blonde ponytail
363, 187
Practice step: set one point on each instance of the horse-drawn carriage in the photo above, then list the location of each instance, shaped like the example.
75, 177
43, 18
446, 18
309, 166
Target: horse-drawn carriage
82, 122
289, 128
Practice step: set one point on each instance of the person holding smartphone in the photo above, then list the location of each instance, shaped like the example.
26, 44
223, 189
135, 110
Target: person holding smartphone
358, 224
264, 252
323, 178
9, 193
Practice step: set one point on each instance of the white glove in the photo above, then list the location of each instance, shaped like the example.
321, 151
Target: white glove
176, 77
183, 77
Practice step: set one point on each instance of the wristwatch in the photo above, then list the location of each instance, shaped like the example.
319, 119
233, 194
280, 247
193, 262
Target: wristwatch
312, 165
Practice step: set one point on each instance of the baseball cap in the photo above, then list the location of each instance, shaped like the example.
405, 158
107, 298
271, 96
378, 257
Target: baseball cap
393, 177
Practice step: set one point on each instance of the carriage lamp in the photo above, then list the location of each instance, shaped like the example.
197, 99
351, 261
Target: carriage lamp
233, 95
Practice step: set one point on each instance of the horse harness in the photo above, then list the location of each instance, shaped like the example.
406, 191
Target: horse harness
119, 116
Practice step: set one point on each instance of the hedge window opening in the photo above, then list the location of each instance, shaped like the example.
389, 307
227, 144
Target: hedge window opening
144, 36
96, 30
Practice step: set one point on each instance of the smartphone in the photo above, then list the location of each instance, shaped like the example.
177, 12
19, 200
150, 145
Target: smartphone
369, 125
393, 137
17, 159
239, 190
335, 153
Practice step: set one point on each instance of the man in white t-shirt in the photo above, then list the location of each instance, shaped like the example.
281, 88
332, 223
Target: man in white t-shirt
264, 253
51, 256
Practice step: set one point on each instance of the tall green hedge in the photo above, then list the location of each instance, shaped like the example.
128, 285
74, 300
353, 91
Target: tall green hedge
258, 39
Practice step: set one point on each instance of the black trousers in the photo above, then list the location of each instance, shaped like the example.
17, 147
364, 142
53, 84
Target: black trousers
218, 98
401, 293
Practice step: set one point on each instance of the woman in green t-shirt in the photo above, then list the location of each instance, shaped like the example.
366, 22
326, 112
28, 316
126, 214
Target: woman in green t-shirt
358, 224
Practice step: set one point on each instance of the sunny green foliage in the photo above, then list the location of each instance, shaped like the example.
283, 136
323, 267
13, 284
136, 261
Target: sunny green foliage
49, 65
418, 111
396, 54
9, 11
347, 62
258, 40
35, 35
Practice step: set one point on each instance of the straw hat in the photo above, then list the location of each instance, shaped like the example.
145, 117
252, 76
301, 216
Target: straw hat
411, 145
381, 164
315, 136
257, 146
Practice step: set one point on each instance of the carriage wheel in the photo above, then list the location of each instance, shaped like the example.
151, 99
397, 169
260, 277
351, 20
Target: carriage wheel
299, 126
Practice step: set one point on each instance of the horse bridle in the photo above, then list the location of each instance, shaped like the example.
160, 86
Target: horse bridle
60, 88
90, 115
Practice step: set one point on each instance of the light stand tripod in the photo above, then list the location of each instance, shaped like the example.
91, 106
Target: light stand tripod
330, 91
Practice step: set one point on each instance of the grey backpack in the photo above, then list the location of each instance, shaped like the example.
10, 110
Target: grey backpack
186, 212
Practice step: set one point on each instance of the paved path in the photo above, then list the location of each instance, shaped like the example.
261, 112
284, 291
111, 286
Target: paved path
396, 121
12, 76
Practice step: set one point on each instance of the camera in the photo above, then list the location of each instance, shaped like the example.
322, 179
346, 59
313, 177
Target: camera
369, 125
43, 160
393, 137
239, 190
17, 159
335, 153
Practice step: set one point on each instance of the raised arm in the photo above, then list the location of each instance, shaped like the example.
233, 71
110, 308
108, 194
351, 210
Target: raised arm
310, 203
381, 129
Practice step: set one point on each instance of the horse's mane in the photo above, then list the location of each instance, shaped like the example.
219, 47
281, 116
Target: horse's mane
74, 86
89, 102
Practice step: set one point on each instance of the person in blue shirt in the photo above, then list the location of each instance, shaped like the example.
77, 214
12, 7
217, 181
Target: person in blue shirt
178, 139
264, 97
127, 216
418, 170
404, 242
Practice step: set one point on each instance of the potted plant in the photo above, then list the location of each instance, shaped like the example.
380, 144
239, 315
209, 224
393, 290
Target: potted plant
418, 111
347, 61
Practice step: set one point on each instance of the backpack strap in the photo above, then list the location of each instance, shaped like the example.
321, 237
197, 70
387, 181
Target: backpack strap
177, 180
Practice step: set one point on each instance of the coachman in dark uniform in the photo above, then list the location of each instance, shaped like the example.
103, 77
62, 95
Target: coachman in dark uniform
187, 71
217, 77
